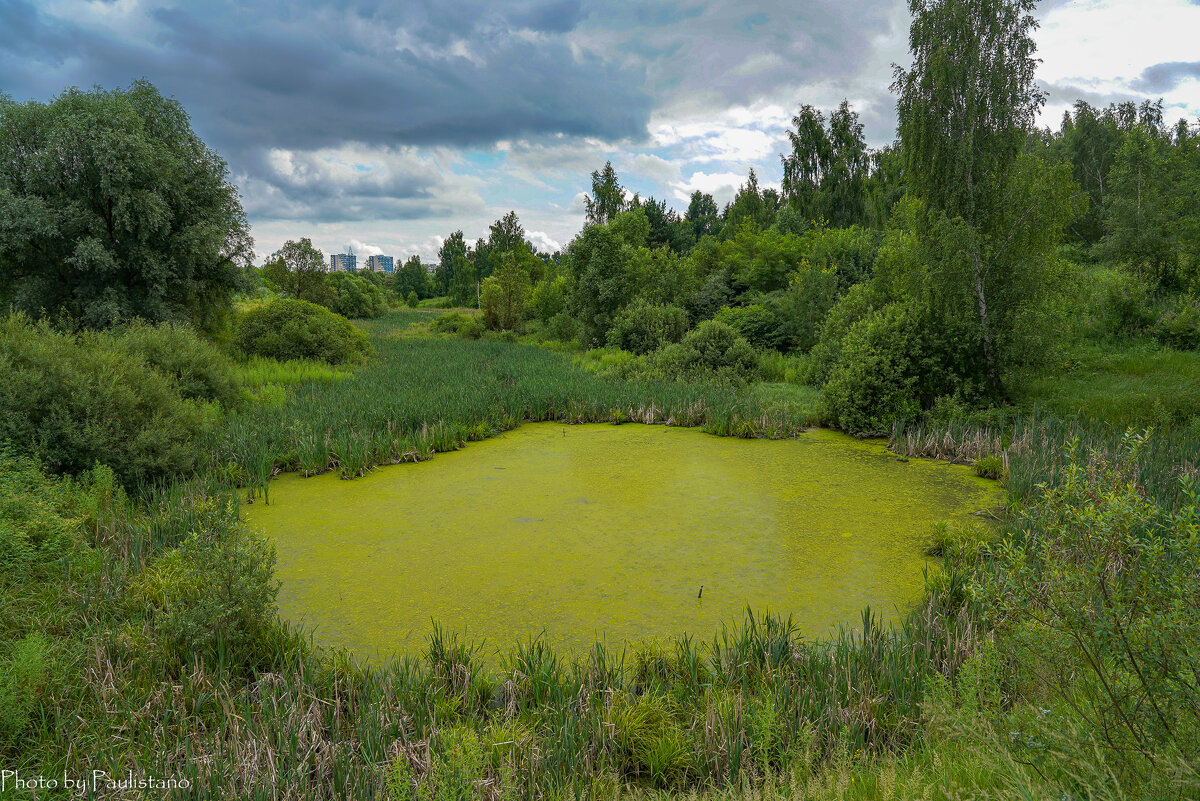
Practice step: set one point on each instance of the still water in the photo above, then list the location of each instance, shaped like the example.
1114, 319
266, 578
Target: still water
589, 532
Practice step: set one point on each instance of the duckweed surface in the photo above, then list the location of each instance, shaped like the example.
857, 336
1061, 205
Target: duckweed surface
601, 532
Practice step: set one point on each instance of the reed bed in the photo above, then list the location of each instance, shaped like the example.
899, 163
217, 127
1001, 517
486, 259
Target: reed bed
422, 396
1033, 450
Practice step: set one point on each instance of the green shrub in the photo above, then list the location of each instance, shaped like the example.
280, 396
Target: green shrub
354, 296
548, 298
36, 524
297, 329
756, 323
989, 467
859, 302
411, 301
712, 351
562, 327
1179, 325
200, 370
459, 324
22, 676
642, 327
875, 381
74, 400
212, 599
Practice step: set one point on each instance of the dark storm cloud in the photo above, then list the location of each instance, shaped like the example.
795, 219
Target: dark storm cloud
1165, 77
262, 77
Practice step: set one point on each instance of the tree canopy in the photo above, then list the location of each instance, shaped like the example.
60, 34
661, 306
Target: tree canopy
112, 208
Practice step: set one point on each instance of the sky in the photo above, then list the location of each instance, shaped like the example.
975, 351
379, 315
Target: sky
385, 126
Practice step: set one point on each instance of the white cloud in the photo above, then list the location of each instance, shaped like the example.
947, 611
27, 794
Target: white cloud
364, 250
543, 241
721, 185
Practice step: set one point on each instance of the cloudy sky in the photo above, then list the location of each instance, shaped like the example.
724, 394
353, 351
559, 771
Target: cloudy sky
387, 125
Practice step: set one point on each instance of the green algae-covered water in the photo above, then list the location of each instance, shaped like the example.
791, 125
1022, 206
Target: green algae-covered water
602, 532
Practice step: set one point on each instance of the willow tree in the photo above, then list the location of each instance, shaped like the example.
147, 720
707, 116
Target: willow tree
965, 107
112, 208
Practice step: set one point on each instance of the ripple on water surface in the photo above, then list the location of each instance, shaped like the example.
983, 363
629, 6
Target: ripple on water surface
607, 532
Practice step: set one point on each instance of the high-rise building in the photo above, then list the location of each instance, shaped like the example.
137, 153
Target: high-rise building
380, 264
343, 262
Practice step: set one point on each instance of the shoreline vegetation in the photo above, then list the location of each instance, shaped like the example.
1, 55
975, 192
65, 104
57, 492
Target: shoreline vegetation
982, 290
211, 686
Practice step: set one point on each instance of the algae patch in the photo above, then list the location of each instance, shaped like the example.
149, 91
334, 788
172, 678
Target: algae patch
607, 532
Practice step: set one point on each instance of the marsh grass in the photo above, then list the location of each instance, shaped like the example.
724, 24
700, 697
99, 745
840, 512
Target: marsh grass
422, 396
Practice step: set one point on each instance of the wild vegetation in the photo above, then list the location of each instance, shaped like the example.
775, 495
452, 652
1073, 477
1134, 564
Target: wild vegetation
1022, 300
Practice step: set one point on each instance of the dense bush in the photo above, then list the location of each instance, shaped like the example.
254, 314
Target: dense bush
200, 370
72, 401
642, 327
712, 350
297, 329
1179, 324
212, 599
459, 324
756, 323
876, 379
354, 296
36, 521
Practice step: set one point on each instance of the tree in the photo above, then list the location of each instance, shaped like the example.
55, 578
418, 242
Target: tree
964, 108
455, 274
825, 174
503, 295
412, 278
299, 269
607, 199
749, 205
702, 214
112, 208
506, 233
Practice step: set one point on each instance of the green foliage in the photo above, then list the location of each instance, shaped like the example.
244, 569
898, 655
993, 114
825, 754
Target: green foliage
354, 296
458, 324
607, 199
825, 175
212, 599
877, 378
504, 293
1095, 598
113, 209
411, 300
1179, 324
549, 298
297, 329
22, 676
712, 350
455, 275
652, 743
72, 400
642, 327
299, 269
989, 467
200, 370
37, 520
600, 260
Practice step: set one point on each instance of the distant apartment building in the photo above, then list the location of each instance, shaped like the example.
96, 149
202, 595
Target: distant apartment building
380, 264
343, 262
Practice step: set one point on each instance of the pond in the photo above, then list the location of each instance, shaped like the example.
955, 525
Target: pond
601, 532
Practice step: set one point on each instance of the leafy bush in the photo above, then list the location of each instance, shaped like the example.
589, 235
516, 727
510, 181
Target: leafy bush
642, 327
1179, 325
200, 370
1096, 598
562, 327
22, 676
756, 323
875, 381
72, 401
548, 298
1123, 307
989, 467
855, 305
36, 524
459, 324
213, 598
297, 329
411, 301
712, 351
354, 296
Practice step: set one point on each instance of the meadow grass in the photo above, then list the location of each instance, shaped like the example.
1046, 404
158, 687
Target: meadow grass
1134, 383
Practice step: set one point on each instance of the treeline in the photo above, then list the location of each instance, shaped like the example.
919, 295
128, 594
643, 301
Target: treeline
930, 271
